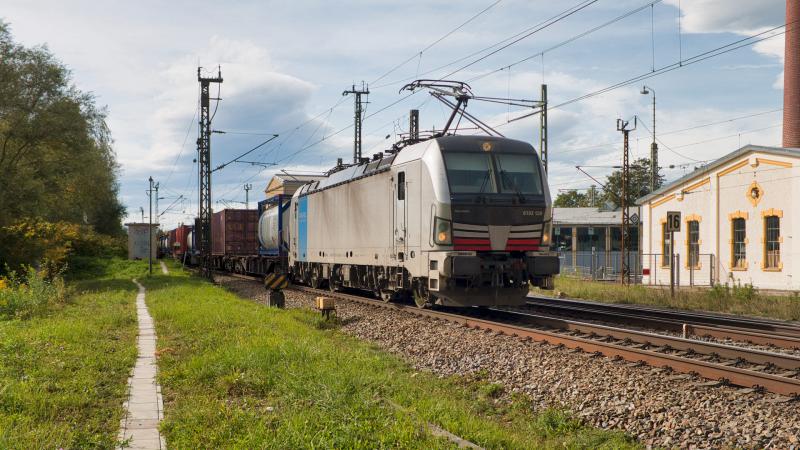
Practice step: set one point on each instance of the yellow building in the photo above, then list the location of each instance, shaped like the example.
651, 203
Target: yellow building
737, 226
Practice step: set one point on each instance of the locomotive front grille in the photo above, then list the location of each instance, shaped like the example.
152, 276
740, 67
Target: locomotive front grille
496, 237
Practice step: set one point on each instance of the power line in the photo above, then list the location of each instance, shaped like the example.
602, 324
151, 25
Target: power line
475, 53
570, 40
722, 121
222, 166
727, 48
546, 24
558, 17
185, 138
429, 46
740, 43
681, 130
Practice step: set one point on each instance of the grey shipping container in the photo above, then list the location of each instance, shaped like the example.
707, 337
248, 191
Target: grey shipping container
234, 232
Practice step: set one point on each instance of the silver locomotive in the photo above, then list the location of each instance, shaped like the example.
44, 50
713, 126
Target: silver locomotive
454, 220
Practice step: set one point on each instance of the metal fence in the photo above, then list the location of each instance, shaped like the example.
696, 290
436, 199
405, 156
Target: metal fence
648, 268
599, 265
656, 270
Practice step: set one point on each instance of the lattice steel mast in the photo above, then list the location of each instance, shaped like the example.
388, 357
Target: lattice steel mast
359, 117
204, 166
625, 245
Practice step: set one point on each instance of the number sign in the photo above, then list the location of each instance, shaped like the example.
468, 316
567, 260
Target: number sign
673, 221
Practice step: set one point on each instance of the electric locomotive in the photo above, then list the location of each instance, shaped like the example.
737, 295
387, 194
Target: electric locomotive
454, 220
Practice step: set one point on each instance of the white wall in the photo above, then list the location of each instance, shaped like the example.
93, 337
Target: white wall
711, 198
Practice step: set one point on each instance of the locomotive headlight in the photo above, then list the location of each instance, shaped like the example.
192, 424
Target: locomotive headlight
442, 231
546, 233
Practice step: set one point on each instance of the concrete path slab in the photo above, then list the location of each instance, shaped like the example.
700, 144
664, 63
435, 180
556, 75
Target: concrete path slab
144, 408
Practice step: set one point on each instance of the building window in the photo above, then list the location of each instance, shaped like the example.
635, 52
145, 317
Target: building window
591, 238
693, 244
739, 241
664, 245
772, 242
562, 239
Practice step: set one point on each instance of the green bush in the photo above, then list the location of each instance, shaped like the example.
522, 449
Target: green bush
29, 293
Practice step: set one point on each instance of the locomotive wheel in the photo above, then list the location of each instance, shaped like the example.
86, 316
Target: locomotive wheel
388, 296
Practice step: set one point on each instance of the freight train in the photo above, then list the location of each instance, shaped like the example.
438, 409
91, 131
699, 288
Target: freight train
454, 220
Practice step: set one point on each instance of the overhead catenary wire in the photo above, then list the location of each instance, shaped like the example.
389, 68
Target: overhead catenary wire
418, 55
183, 145
569, 40
721, 50
222, 166
470, 55
546, 24
676, 131
519, 37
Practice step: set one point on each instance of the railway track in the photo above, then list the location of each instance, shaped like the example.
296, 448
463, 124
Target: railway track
749, 368
753, 330
725, 364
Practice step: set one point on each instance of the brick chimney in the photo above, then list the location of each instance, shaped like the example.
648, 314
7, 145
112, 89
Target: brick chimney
791, 77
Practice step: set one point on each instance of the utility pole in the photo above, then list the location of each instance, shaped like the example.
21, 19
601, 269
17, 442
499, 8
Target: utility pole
204, 165
359, 112
625, 246
543, 128
142, 210
247, 188
150, 230
654, 146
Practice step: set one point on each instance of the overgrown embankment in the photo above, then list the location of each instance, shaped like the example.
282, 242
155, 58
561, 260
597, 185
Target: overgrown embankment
65, 357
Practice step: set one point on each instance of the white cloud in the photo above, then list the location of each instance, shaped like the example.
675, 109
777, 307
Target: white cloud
729, 16
742, 17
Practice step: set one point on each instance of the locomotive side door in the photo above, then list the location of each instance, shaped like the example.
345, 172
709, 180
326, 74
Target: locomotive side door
399, 217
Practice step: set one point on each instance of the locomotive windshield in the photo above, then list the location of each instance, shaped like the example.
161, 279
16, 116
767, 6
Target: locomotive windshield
470, 173
482, 173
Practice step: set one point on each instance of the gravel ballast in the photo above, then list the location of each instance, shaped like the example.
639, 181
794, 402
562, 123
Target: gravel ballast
656, 406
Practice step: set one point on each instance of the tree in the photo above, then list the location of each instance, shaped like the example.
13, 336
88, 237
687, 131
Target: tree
56, 158
576, 199
638, 184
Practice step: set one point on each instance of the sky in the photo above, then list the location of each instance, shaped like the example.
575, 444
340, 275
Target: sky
286, 64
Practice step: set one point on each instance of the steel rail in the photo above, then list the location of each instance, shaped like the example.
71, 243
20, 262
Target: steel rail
700, 317
727, 374
781, 360
685, 327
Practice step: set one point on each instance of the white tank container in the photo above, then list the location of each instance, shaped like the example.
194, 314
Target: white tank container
268, 230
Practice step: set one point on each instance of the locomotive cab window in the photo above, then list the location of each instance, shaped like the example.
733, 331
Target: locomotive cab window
469, 173
493, 173
519, 173
401, 186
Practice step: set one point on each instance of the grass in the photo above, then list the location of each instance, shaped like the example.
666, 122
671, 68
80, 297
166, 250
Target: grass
29, 293
63, 372
742, 300
236, 374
